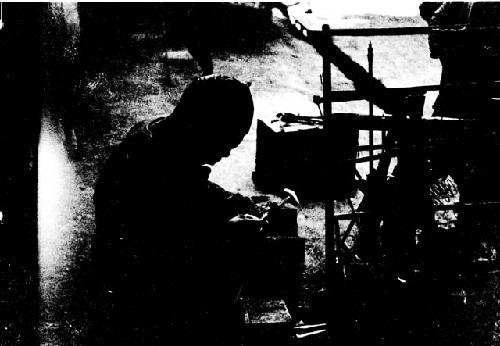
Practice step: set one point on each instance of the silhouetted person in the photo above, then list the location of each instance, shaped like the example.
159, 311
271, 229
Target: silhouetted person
466, 56
197, 40
166, 260
190, 24
469, 55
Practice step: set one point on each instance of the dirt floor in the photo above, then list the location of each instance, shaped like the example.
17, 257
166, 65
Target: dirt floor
284, 71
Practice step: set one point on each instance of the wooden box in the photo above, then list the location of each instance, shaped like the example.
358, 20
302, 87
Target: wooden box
303, 158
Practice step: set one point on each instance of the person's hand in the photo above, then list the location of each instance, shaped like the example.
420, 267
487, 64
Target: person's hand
245, 218
247, 223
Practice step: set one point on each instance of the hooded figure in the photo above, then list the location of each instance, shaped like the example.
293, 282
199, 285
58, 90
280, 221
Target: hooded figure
166, 261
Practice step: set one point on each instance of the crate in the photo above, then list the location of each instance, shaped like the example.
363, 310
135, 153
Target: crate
303, 158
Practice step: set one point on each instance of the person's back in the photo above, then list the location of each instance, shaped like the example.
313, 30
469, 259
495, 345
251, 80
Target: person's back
165, 255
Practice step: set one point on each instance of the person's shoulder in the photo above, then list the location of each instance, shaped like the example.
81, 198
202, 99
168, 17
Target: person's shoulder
141, 133
137, 138
427, 10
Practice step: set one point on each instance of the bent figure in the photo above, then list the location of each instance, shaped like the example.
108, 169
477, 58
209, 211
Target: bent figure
166, 260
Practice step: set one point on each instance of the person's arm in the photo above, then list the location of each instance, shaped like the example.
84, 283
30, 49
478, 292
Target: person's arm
231, 204
427, 10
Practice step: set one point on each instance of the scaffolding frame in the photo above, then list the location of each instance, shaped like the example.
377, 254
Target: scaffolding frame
334, 242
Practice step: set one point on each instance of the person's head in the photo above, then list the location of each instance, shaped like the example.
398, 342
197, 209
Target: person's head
215, 113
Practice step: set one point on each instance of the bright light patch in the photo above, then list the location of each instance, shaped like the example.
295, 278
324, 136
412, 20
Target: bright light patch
55, 178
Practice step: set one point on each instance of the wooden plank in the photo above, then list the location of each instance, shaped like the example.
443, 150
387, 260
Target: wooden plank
364, 122
454, 206
409, 30
369, 147
356, 95
350, 216
464, 206
417, 30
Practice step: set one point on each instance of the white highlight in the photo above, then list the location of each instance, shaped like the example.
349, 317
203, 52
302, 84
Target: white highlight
55, 179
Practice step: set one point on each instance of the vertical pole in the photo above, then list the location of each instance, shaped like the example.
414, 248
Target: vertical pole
370, 105
336, 320
329, 206
326, 41
327, 72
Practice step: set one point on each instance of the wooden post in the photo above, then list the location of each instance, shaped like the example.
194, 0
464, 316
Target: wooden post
337, 328
327, 113
326, 40
370, 105
327, 72
329, 204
